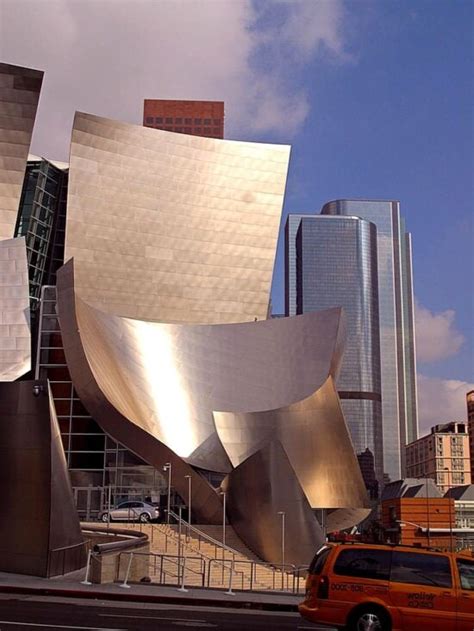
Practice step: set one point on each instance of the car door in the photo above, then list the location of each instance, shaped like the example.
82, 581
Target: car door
422, 588
465, 609
121, 512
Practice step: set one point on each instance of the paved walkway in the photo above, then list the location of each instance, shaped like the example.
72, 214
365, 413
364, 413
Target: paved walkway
70, 586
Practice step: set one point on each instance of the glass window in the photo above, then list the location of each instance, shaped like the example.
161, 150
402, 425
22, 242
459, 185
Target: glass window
188, 121
363, 563
207, 121
197, 121
217, 121
421, 569
149, 120
466, 573
319, 560
169, 121
178, 121
159, 120
187, 130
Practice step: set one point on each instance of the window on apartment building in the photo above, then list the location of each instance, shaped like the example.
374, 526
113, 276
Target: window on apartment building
207, 121
198, 121
178, 121
159, 120
149, 120
169, 121
188, 121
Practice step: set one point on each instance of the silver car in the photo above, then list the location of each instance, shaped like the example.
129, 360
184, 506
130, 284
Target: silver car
132, 511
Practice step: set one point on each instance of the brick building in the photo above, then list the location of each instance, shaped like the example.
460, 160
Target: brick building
197, 118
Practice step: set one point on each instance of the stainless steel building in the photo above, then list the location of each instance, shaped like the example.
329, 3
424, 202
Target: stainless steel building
332, 261
161, 333
397, 329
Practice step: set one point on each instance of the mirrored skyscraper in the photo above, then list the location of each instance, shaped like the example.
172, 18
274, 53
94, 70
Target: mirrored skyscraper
338, 263
397, 340
332, 261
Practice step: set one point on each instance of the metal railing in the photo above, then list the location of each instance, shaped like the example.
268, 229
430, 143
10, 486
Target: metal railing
202, 536
157, 566
67, 558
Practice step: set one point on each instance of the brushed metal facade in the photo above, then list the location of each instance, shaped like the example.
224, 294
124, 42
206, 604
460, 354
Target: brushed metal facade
263, 486
158, 388
169, 227
169, 379
40, 534
315, 438
15, 342
19, 95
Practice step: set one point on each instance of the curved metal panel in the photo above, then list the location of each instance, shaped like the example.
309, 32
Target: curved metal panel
315, 438
205, 500
39, 530
262, 487
168, 379
171, 227
19, 94
15, 336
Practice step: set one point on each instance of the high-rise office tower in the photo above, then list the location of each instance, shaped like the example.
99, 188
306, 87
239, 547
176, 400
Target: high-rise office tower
197, 118
332, 261
397, 336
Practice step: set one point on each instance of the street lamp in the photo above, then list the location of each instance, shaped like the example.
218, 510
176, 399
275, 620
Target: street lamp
282, 513
167, 467
223, 520
189, 503
450, 517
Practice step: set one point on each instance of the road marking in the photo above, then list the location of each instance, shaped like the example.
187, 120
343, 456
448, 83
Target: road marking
133, 616
58, 626
194, 624
180, 622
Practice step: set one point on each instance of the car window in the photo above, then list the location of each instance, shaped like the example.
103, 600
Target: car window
319, 560
124, 505
466, 573
135, 504
421, 569
364, 563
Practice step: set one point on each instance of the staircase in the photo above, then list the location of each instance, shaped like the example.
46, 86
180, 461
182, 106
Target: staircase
207, 563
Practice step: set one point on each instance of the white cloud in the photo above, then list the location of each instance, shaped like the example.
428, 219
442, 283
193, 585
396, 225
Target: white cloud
440, 401
436, 334
105, 57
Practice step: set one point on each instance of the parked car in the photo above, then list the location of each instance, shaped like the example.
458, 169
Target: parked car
361, 587
132, 511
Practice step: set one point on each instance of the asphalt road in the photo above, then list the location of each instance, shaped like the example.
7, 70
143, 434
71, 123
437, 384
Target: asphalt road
43, 613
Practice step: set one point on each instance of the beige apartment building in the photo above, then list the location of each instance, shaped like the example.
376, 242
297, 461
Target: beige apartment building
470, 421
443, 455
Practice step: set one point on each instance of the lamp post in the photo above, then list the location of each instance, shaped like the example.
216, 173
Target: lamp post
282, 513
223, 493
167, 467
450, 517
189, 504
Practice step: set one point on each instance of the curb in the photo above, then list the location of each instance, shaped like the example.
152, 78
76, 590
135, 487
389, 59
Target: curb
130, 597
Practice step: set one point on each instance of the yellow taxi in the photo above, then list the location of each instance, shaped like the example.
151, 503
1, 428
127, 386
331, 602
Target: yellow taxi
361, 587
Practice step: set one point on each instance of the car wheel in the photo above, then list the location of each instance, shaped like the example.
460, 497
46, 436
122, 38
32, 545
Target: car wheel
370, 619
105, 517
144, 518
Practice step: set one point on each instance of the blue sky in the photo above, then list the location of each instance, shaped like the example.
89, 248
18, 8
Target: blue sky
375, 98
396, 123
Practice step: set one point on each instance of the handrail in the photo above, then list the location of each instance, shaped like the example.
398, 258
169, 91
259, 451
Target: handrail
203, 535
75, 547
177, 560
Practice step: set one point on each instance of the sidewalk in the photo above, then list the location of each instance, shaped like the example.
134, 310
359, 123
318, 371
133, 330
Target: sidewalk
70, 586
